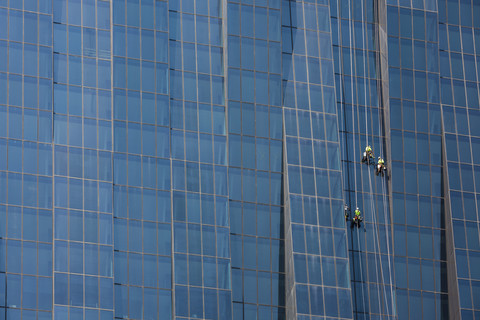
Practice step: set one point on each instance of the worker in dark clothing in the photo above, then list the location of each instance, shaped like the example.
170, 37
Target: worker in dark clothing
380, 166
346, 210
367, 155
357, 218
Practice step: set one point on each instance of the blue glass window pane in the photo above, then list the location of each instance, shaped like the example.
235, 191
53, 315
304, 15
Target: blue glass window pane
61, 286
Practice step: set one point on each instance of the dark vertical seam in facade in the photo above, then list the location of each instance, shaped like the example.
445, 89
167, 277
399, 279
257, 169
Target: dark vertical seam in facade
170, 161
53, 170
347, 166
384, 100
290, 297
347, 157
383, 90
224, 15
111, 153
291, 304
452, 281
347, 161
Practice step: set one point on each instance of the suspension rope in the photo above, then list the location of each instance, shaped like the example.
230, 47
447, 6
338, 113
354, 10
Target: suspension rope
385, 209
388, 246
384, 194
372, 203
361, 270
377, 238
376, 268
364, 49
350, 26
376, 242
379, 96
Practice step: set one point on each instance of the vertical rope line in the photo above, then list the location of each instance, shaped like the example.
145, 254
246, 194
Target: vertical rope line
375, 235
376, 271
384, 184
351, 89
350, 26
372, 202
376, 241
377, 238
383, 181
361, 270
388, 244
385, 201
364, 49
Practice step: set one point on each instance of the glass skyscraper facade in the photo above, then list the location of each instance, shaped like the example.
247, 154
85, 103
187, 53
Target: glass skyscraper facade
193, 159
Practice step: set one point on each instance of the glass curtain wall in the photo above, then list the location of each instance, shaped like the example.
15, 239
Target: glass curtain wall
141, 168
316, 235
417, 180
82, 111
459, 44
361, 120
255, 159
170, 140
202, 274
26, 206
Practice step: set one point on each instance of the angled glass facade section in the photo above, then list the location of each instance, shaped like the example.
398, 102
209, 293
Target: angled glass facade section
202, 159
141, 171
315, 235
419, 222
361, 108
26, 197
82, 150
458, 30
255, 152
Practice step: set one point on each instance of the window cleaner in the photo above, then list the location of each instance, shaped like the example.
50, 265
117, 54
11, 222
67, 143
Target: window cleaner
380, 166
346, 210
367, 155
357, 218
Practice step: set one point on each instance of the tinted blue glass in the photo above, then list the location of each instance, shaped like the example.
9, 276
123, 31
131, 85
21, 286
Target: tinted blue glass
181, 115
